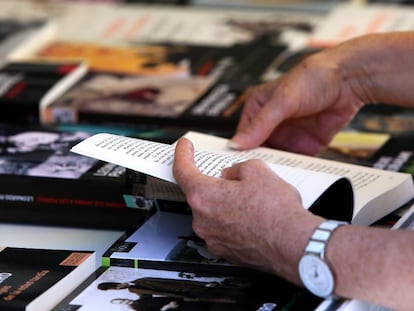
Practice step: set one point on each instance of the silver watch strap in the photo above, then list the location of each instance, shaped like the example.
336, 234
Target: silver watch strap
320, 237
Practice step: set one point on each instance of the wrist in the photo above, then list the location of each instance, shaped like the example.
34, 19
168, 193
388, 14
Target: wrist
315, 270
291, 241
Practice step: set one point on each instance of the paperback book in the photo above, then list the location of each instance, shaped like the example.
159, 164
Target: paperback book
209, 96
166, 241
43, 182
38, 279
330, 188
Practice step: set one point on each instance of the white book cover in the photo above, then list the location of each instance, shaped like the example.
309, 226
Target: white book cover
166, 241
339, 25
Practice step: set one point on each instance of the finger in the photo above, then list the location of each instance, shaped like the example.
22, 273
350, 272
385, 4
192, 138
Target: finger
267, 105
184, 168
259, 129
254, 97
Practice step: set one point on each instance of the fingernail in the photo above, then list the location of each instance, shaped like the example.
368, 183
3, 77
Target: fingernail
233, 145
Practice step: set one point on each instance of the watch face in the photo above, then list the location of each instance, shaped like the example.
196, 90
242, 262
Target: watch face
316, 276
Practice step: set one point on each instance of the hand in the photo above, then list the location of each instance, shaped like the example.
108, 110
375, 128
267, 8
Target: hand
301, 111
249, 216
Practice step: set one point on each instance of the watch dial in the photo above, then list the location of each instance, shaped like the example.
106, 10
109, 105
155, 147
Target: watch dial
316, 276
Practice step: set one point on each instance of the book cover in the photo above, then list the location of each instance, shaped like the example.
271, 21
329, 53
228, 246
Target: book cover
24, 87
166, 241
124, 288
149, 60
384, 118
15, 30
137, 24
356, 147
105, 97
209, 97
43, 182
38, 279
397, 154
337, 27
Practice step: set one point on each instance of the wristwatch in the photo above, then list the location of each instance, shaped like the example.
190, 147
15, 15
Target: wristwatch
314, 270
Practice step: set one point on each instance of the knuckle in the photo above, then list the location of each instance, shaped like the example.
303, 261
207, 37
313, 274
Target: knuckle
194, 200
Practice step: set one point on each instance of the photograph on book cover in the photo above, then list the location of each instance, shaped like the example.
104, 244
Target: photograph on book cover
123, 288
42, 153
148, 60
127, 95
167, 241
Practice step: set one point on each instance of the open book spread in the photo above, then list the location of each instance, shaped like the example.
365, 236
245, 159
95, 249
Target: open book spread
330, 188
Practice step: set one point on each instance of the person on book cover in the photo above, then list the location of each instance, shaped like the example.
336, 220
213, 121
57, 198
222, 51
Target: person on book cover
42, 153
131, 94
252, 217
180, 294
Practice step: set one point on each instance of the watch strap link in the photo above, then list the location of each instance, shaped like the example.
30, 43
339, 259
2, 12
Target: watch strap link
320, 237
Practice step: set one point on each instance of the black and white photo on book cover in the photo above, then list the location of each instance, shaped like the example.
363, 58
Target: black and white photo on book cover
125, 288
44, 153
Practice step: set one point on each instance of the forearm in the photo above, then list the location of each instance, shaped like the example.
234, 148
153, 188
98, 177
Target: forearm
374, 264
371, 264
379, 68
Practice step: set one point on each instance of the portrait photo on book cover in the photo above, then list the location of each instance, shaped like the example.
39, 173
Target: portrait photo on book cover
133, 95
171, 290
42, 153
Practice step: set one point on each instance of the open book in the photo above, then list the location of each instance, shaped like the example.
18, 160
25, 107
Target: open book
329, 188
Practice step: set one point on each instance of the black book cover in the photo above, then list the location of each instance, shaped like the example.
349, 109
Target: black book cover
397, 154
385, 118
38, 279
23, 87
43, 182
210, 97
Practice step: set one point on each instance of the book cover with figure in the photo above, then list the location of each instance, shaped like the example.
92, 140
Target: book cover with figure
209, 97
43, 182
126, 288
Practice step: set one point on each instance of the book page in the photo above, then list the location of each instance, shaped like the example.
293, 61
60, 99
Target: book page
156, 159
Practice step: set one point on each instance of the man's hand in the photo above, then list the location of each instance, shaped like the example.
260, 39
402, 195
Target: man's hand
248, 216
301, 111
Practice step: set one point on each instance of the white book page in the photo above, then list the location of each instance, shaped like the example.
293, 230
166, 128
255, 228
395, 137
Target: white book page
156, 159
371, 185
